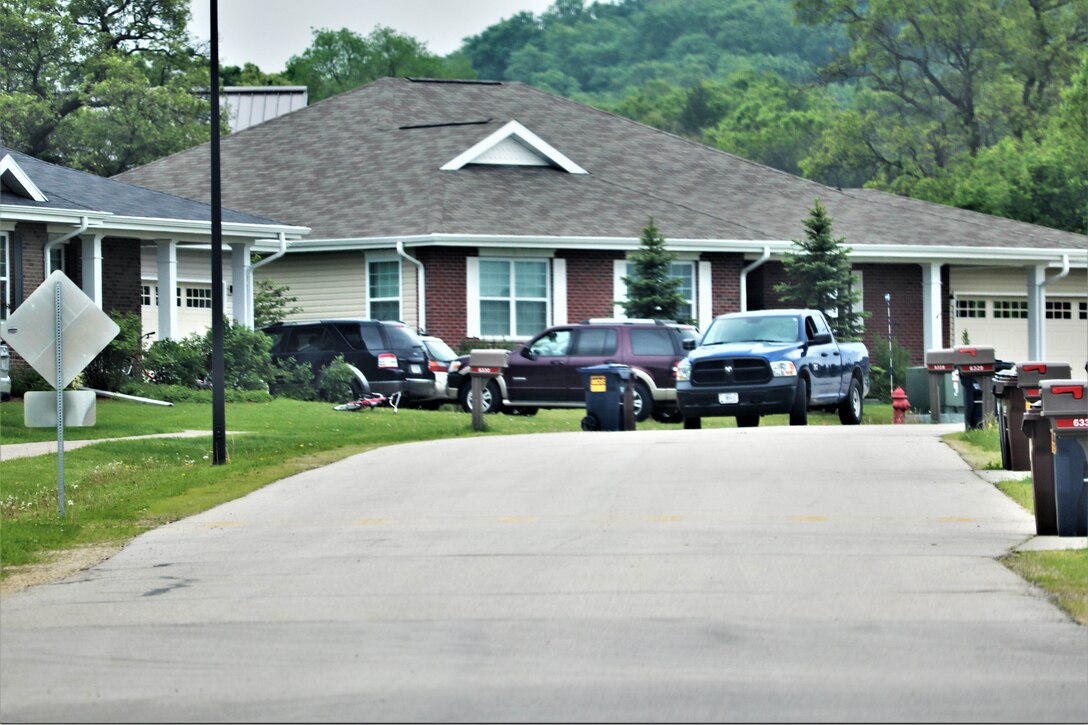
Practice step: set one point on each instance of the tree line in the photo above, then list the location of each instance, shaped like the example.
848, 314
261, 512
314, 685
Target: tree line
981, 104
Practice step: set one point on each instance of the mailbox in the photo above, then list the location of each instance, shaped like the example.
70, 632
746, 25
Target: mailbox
940, 361
1065, 408
974, 360
1031, 374
487, 363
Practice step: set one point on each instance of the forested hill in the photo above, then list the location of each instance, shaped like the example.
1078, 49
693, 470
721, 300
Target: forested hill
981, 104
608, 51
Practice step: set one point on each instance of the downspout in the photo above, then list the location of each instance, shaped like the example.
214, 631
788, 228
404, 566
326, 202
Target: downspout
1060, 275
49, 246
421, 291
744, 277
249, 273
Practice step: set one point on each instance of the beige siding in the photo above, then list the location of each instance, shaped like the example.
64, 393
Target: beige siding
327, 285
409, 283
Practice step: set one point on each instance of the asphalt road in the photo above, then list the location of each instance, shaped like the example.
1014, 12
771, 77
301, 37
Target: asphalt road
771, 574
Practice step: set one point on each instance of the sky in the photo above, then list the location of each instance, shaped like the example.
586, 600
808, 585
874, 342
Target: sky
268, 32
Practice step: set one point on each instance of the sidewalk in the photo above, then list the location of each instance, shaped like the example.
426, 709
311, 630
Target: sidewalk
25, 450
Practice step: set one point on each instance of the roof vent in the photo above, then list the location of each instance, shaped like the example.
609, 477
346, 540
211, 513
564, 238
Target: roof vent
514, 145
15, 180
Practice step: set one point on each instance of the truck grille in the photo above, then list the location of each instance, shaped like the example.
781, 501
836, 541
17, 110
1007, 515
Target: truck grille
735, 371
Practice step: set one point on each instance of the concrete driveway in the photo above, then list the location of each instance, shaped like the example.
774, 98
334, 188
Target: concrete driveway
771, 574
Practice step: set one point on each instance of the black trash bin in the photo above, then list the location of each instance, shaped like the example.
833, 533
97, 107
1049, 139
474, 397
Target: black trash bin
605, 387
972, 402
1042, 470
1009, 400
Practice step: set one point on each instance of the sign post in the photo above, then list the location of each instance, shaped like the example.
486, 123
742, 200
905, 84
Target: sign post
58, 330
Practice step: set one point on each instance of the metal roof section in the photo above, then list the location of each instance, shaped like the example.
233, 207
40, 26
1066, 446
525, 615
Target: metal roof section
252, 105
15, 180
514, 145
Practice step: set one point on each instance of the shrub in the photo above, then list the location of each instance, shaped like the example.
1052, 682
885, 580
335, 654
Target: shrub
120, 360
879, 364
291, 379
336, 380
175, 362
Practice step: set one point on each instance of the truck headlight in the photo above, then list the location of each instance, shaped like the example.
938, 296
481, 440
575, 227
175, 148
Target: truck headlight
683, 370
783, 368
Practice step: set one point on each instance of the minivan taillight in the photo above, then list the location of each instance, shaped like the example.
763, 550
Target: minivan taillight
387, 360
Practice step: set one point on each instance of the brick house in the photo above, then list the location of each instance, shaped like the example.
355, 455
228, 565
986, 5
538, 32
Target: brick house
96, 230
485, 211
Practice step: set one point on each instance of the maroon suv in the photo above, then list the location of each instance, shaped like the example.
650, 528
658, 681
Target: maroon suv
543, 373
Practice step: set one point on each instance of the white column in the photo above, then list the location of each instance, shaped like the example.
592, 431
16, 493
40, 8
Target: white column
92, 267
472, 296
932, 307
1036, 284
242, 299
559, 292
166, 256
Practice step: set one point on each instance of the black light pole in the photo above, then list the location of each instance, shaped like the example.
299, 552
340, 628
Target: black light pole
219, 414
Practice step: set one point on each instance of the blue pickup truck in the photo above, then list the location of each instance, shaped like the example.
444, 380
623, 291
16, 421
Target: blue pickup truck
750, 364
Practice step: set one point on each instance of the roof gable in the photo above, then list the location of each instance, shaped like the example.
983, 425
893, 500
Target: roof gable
514, 145
15, 180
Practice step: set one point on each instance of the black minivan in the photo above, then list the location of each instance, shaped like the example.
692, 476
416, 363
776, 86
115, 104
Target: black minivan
388, 357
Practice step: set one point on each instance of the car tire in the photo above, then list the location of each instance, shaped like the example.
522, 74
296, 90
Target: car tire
491, 397
667, 415
799, 414
643, 402
853, 405
747, 421
693, 423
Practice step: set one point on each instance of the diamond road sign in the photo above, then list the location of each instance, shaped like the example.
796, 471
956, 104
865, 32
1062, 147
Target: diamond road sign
85, 329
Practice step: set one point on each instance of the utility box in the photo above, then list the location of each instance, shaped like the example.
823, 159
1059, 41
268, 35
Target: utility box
1065, 407
1031, 374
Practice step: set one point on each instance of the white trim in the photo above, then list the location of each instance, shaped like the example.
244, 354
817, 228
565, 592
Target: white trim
10, 167
5, 264
559, 292
399, 298
513, 130
472, 297
619, 289
704, 314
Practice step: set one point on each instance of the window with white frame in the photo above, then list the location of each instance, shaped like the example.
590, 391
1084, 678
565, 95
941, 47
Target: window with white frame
58, 258
145, 295
198, 297
5, 278
513, 297
383, 290
1084, 310
685, 272
1059, 310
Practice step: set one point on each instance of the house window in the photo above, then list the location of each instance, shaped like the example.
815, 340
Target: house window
145, 295
1084, 310
513, 297
5, 282
970, 308
1059, 310
1011, 309
384, 290
685, 272
198, 297
58, 258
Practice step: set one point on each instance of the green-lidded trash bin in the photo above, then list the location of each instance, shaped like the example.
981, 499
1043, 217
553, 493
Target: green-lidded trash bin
1065, 408
605, 386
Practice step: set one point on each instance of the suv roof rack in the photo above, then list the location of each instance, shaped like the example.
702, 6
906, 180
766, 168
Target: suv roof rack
626, 321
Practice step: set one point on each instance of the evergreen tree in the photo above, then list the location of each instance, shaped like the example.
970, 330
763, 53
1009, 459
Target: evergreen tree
653, 292
272, 303
820, 276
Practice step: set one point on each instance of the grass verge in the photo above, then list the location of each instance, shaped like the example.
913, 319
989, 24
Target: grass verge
1063, 575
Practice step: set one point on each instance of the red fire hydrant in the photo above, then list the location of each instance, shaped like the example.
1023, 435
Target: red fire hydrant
900, 406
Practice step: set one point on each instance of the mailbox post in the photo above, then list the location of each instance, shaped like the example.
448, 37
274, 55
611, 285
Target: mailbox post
484, 365
939, 363
976, 362
1065, 407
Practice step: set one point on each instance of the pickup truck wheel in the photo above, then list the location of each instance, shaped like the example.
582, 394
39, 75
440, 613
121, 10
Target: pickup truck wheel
693, 423
799, 414
851, 407
643, 402
747, 421
490, 395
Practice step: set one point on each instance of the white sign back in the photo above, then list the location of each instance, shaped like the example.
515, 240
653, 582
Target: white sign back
85, 329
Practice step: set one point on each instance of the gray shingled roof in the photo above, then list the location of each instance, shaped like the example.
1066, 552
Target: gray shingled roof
80, 191
366, 164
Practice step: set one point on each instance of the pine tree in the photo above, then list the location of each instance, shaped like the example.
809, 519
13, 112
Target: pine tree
821, 278
652, 291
